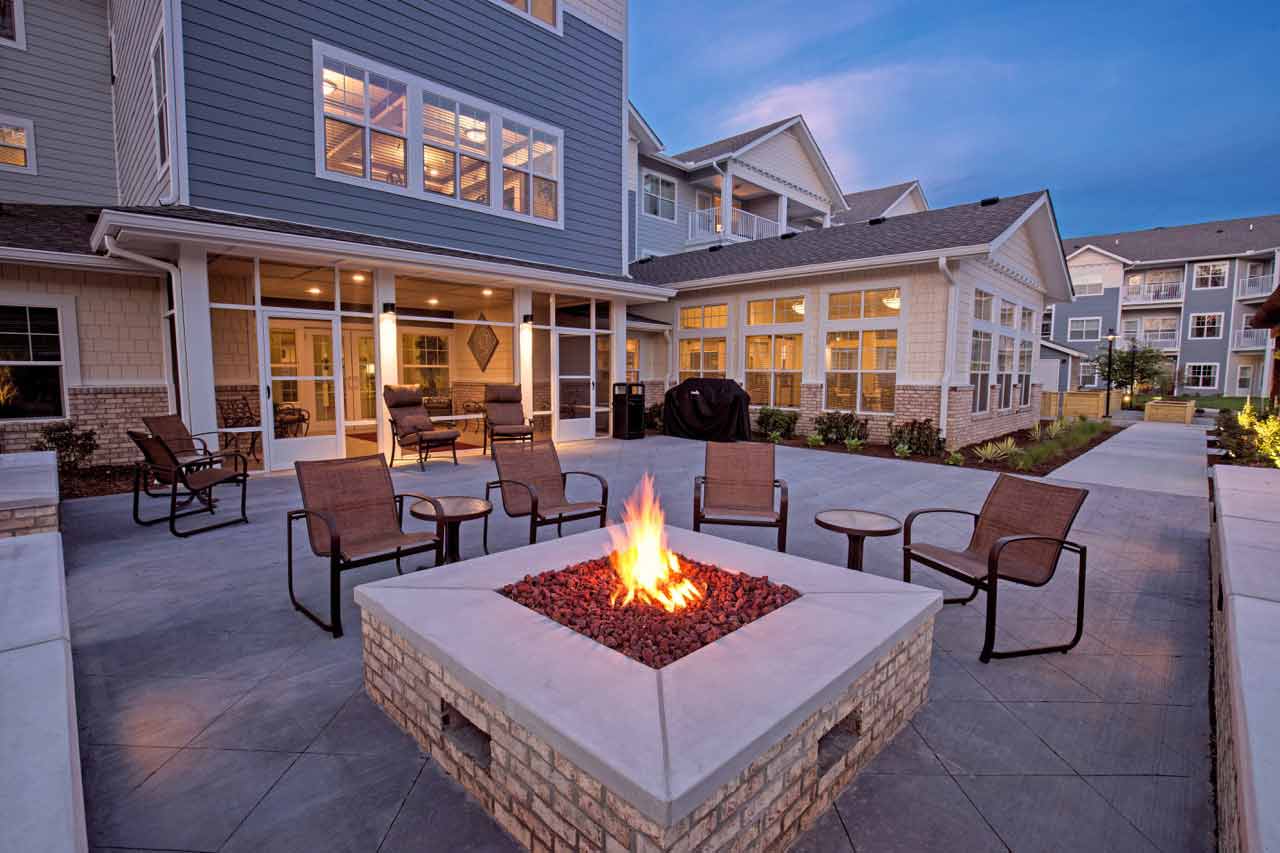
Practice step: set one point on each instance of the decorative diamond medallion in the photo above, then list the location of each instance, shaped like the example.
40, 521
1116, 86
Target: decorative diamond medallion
483, 343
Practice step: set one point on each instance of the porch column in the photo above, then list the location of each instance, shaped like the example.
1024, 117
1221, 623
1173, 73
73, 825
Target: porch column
195, 340
617, 352
387, 362
782, 214
523, 356
726, 200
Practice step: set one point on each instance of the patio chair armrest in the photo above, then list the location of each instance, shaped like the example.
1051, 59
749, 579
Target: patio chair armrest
330, 523
997, 548
604, 485
783, 496
911, 519
699, 488
435, 504
533, 492
239, 460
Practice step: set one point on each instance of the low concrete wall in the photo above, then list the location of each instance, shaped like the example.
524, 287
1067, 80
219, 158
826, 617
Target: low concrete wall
1244, 541
41, 801
28, 493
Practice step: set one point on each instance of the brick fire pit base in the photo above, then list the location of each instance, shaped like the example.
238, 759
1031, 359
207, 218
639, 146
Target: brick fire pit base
741, 745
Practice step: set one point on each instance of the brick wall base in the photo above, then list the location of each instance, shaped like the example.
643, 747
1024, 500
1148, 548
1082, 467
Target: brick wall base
110, 410
25, 520
547, 803
1228, 800
965, 428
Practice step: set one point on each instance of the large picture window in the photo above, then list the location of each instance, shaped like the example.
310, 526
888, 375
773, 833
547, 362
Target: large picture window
702, 357
30, 363
862, 370
474, 154
660, 197
980, 371
773, 370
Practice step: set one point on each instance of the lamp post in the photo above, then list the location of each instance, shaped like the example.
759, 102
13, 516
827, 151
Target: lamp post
1111, 346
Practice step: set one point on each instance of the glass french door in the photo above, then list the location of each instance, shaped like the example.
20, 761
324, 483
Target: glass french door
303, 392
575, 386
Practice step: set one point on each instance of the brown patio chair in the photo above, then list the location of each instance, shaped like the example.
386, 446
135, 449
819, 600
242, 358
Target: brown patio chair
186, 482
171, 429
533, 485
504, 418
737, 486
1017, 537
411, 425
354, 519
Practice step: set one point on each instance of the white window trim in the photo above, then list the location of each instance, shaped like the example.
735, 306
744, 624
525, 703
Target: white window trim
1226, 277
414, 139
1191, 325
29, 126
776, 327
989, 373
19, 40
68, 340
1071, 320
1239, 368
1186, 371
163, 152
773, 332
675, 195
557, 28
861, 324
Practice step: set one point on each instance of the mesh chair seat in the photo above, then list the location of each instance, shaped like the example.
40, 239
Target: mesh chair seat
567, 508
974, 564
207, 478
511, 429
734, 513
524, 467
358, 548
434, 436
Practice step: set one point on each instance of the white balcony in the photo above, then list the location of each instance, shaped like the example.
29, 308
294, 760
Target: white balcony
1255, 287
1157, 338
1138, 294
709, 225
1251, 338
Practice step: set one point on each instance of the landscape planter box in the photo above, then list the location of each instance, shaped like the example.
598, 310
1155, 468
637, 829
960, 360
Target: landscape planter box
1170, 411
571, 745
1091, 404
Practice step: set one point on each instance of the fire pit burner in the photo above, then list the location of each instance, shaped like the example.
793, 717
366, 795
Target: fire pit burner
579, 597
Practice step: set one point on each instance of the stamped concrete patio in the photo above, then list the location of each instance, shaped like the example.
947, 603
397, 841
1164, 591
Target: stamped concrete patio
215, 718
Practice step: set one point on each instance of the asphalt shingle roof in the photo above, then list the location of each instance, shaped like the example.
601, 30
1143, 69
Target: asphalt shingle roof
930, 230
48, 227
729, 144
1223, 238
868, 204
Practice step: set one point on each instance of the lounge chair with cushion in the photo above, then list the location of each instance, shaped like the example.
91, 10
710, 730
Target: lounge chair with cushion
504, 418
411, 426
354, 519
192, 481
533, 485
737, 487
1017, 537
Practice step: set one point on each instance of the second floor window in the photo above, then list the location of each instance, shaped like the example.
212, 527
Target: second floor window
455, 149
1206, 326
364, 123
529, 166
539, 10
160, 101
17, 145
1084, 329
660, 197
1046, 324
12, 32
982, 305
1209, 276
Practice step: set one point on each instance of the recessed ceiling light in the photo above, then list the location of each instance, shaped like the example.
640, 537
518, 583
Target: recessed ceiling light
487, 291
314, 291
433, 301
358, 277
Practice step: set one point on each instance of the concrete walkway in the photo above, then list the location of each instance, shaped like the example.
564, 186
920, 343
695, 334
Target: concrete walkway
1153, 457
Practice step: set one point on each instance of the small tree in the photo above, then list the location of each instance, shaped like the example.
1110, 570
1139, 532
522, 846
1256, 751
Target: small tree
1134, 367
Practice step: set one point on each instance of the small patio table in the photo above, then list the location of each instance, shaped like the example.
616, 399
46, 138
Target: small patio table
857, 524
457, 509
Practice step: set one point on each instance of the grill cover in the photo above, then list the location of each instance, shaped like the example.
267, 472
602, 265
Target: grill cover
707, 409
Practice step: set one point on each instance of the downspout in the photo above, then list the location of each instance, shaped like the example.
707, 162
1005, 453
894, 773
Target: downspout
175, 280
948, 340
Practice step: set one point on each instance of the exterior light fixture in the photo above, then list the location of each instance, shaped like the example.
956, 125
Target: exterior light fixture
527, 319
388, 308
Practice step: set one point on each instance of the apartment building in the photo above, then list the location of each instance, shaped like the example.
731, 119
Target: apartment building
1189, 290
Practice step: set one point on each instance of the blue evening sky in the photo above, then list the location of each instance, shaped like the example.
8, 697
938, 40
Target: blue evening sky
1132, 114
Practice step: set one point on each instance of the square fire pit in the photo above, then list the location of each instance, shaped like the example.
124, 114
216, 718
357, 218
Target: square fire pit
572, 745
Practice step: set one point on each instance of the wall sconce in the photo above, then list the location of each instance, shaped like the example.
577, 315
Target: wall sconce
388, 308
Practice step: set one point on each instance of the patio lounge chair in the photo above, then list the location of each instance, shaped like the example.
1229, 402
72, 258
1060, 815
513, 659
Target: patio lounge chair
186, 482
175, 434
533, 485
355, 519
411, 425
737, 486
504, 418
1017, 537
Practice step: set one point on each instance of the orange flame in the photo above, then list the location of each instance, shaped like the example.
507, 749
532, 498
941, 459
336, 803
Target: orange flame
646, 569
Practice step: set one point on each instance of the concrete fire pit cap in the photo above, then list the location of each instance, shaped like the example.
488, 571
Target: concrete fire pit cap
662, 739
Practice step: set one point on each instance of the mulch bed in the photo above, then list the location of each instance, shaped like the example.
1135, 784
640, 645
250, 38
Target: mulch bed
96, 480
1022, 437
577, 597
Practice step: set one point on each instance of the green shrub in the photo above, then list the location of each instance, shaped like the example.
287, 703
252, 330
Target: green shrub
990, 452
1021, 461
775, 437
73, 446
1055, 428
902, 450
814, 440
770, 420
839, 427
853, 445
955, 457
920, 437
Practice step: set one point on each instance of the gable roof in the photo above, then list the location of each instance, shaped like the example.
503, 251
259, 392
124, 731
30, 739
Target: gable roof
639, 125
730, 144
1221, 238
965, 226
868, 204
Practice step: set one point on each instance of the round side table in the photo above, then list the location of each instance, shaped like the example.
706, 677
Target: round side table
857, 524
457, 509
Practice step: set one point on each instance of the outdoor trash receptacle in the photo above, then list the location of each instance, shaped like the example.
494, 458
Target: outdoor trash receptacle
628, 410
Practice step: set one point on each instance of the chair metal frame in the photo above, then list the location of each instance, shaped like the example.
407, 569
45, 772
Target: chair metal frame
176, 472
700, 518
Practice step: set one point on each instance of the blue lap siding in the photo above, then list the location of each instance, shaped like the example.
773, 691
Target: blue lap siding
250, 119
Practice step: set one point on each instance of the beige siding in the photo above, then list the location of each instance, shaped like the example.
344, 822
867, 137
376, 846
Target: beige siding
974, 275
119, 319
1112, 271
785, 159
608, 15
136, 23
912, 202
1018, 253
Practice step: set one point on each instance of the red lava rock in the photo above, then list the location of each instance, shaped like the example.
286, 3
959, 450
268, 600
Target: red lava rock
577, 597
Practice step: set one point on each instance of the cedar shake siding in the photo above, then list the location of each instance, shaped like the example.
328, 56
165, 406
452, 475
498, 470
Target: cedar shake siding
250, 117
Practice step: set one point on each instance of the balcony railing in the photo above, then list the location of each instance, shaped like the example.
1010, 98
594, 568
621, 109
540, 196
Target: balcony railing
1158, 338
1254, 286
709, 224
1251, 338
1154, 292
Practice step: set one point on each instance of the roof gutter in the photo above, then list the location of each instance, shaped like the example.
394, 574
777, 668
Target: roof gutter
948, 340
